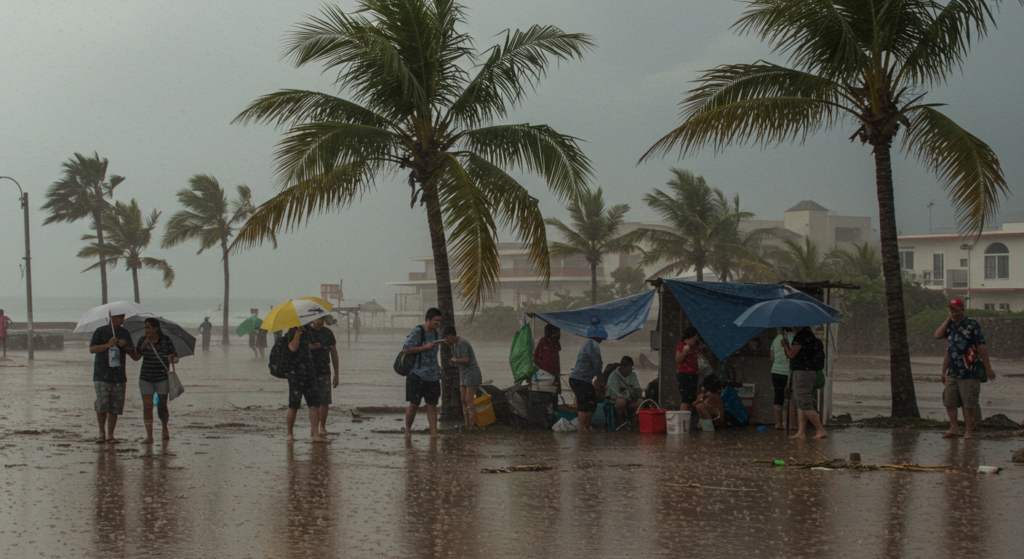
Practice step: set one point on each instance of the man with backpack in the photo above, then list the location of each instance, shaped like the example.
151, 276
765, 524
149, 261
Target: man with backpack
423, 383
806, 357
301, 382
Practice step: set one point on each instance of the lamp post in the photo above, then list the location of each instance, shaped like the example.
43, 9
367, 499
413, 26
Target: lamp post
968, 248
28, 268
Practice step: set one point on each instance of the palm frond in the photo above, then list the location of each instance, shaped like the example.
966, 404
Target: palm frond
162, 266
293, 106
313, 150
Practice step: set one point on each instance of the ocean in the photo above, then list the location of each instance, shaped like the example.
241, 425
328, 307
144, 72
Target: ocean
187, 311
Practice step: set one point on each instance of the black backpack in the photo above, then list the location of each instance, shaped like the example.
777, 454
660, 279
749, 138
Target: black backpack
280, 358
404, 364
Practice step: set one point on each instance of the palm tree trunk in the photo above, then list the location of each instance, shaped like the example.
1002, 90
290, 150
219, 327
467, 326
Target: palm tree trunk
904, 399
593, 283
451, 401
135, 283
97, 219
227, 290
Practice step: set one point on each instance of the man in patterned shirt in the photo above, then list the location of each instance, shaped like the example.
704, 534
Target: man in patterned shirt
965, 364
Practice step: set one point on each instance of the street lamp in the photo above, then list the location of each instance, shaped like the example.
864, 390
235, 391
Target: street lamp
968, 248
28, 268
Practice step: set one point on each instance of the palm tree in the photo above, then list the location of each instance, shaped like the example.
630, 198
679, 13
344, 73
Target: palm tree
127, 237
211, 220
804, 261
863, 261
594, 233
868, 63
702, 228
421, 103
81, 193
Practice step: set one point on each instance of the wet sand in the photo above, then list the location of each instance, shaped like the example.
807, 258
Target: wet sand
227, 484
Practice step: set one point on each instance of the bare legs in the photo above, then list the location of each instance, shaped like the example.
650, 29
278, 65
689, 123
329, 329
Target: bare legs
803, 416
584, 420
314, 424
147, 416
954, 426
778, 417
323, 419
410, 416
106, 421
468, 407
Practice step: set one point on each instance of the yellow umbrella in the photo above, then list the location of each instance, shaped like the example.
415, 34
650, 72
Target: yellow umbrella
296, 312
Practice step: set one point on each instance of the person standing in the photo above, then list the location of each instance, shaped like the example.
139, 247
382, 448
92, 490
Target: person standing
804, 375
470, 376
110, 344
205, 330
545, 355
261, 342
158, 354
581, 380
302, 384
687, 369
965, 364
780, 378
324, 348
5, 321
423, 383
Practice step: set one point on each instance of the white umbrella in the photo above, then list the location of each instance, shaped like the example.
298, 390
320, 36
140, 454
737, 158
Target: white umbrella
100, 316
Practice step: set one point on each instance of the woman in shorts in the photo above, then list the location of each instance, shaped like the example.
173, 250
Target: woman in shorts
588, 367
470, 377
158, 354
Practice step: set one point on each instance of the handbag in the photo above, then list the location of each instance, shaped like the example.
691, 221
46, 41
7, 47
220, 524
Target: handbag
174, 383
971, 361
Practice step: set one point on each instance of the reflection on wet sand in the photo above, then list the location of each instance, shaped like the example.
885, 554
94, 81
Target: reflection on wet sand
110, 507
900, 492
159, 509
964, 523
307, 523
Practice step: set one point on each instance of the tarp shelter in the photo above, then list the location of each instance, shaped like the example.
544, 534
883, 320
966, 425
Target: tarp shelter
619, 318
711, 308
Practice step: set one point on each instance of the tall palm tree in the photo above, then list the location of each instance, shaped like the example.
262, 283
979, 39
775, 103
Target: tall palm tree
863, 261
128, 235
82, 194
212, 220
869, 64
702, 228
594, 233
422, 103
804, 261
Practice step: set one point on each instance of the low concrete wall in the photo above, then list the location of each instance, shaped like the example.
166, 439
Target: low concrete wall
1002, 339
48, 341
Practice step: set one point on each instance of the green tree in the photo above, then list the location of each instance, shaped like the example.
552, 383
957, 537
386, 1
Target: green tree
128, 235
804, 261
211, 220
862, 261
701, 228
82, 194
870, 64
628, 280
594, 232
422, 103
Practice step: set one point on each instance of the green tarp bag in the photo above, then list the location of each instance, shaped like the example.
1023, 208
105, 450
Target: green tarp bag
520, 357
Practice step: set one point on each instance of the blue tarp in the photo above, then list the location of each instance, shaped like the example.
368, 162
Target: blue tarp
712, 308
619, 318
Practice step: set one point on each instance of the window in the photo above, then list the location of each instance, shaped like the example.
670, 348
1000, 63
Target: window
958, 278
907, 259
1004, 307
963, 262
990, 306
997, 261
938, 263
847, 234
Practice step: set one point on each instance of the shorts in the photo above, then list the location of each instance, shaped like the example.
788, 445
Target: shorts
586, 397
803, 389
472, 377
109, 397
416, 389
160, 387
323, 387
779, 383
687, 387
961, 392
300, 387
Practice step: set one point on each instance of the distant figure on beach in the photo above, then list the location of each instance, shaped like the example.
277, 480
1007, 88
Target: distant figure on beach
624, 388
964, 366
302, 384
581, 381
261, 342
205, 330
709, 406
805, 374
546, 354
424, 381
110, 344
5, 321
780, 378
324, 348
470, 376
158, 354
687, 369
252, 343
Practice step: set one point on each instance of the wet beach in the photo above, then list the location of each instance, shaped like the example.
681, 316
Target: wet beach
227, 484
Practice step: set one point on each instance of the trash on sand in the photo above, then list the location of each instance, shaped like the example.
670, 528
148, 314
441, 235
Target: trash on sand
55, 396
513, 469
989, 469
823, 469
840, 464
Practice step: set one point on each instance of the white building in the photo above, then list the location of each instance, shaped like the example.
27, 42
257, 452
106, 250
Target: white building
987, 271
810, 219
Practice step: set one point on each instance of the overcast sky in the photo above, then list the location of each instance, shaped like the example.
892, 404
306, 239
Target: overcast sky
153, 87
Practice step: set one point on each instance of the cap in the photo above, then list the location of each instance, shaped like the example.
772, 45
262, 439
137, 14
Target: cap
597, 332
956, 304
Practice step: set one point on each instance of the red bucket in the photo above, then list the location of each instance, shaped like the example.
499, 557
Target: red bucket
652, 422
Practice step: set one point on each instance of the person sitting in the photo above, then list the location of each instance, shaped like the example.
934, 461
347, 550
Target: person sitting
709, 406
624, 388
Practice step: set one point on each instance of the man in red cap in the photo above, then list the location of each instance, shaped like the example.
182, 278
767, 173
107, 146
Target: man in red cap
965, 364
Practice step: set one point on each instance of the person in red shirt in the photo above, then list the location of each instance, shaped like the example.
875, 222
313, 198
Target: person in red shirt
4, 322
545, 355
686, 367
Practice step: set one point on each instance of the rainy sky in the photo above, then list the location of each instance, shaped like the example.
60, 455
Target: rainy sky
153, 87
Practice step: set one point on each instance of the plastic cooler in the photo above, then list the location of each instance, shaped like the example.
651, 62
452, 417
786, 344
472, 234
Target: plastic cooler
484, 410
746, 394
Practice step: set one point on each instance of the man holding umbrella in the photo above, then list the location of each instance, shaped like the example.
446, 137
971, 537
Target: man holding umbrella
110, 344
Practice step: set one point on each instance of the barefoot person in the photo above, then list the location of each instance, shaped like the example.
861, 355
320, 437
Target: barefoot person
157, 353
302, 384
588, 367
780, 378
802, 368
424, 381
965, 364
110, 344
709, 406
470, 376
324, 348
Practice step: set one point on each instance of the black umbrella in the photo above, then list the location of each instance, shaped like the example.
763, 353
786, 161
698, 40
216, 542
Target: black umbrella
184, 343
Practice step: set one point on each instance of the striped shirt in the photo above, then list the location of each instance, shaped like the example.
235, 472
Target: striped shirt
155, 369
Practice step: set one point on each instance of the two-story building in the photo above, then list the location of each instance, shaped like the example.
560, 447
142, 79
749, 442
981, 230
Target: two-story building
986, 271
810, 219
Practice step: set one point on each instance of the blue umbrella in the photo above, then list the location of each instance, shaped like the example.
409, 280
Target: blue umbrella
778, 313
